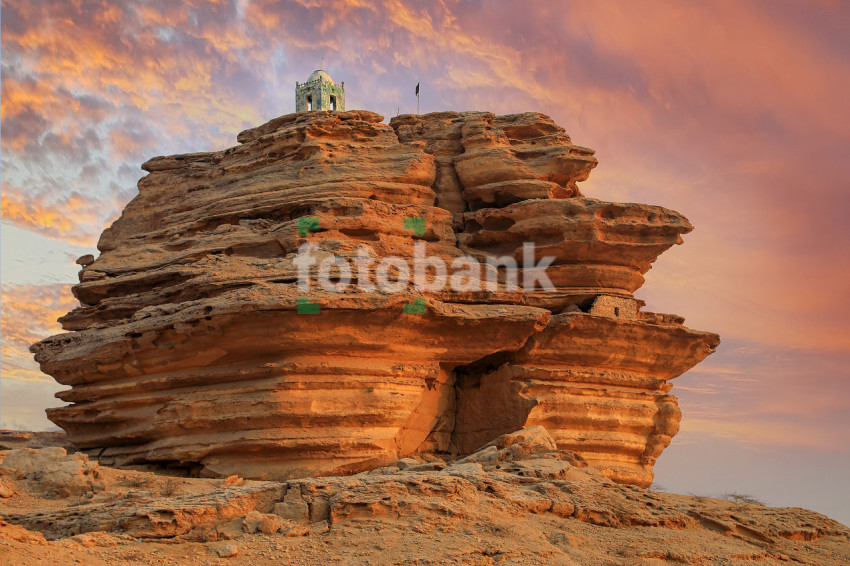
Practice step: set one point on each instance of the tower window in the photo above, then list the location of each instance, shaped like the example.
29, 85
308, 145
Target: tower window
309, 103
333, 103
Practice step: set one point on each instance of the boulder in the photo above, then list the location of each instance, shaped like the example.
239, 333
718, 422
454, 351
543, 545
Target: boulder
266, 523
293, 507
7, 489
53, 469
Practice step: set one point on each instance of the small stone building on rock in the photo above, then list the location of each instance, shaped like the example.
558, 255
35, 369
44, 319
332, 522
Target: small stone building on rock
617, 307
320, 92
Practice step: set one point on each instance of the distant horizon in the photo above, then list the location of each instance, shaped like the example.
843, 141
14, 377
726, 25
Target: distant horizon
733, 114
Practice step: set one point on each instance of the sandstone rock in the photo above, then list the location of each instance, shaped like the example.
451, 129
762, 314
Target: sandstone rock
227, 551
527, 453
465, 466
193, 344
319, 528
29, 460
404, 463
319, 507
251, 521
384, 470
563, 509
54, 470
270, 524
531, 440
293, 507
265, 523
232, 480
300, 530
6, 488
152, 517
598, 248
426, 467
88, 540
19, 534
527, 500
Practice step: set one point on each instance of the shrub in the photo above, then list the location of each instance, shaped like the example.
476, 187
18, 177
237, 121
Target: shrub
170, 486
741, 498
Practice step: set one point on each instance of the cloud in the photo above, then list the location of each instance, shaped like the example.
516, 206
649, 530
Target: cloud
30, 313
74, 218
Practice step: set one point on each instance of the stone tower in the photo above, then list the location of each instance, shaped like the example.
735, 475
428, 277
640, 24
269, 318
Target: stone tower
320, 92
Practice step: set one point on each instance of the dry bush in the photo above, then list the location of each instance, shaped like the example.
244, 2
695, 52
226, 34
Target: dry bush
170, 487
741, 498
138, 481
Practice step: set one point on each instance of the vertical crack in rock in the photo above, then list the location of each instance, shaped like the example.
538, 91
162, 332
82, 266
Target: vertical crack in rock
194, 345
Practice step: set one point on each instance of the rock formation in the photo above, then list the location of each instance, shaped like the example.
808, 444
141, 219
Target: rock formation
195, 347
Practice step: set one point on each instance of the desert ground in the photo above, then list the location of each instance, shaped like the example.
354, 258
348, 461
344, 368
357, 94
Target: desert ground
517, 501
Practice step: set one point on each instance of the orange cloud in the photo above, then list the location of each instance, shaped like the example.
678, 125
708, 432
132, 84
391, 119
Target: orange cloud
75, 218
120, 57
30, 313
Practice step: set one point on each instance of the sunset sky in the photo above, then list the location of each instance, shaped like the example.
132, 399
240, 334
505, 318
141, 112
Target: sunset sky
735, 114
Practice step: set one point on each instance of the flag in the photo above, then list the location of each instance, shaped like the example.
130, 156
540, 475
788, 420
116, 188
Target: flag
417, 89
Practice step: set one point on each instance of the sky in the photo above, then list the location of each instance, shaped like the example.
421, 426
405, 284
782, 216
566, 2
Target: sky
733, 113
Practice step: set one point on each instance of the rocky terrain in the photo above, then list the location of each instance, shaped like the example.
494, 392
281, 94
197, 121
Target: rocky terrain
194, 349
520, 500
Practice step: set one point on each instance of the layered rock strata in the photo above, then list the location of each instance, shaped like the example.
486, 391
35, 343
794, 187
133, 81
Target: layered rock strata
195, 345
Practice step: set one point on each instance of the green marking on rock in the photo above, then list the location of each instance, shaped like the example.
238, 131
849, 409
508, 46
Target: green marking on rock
415, 224
306, 307
307, 224
416, 307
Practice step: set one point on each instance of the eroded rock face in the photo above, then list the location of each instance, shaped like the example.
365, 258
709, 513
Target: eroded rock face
194, 345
